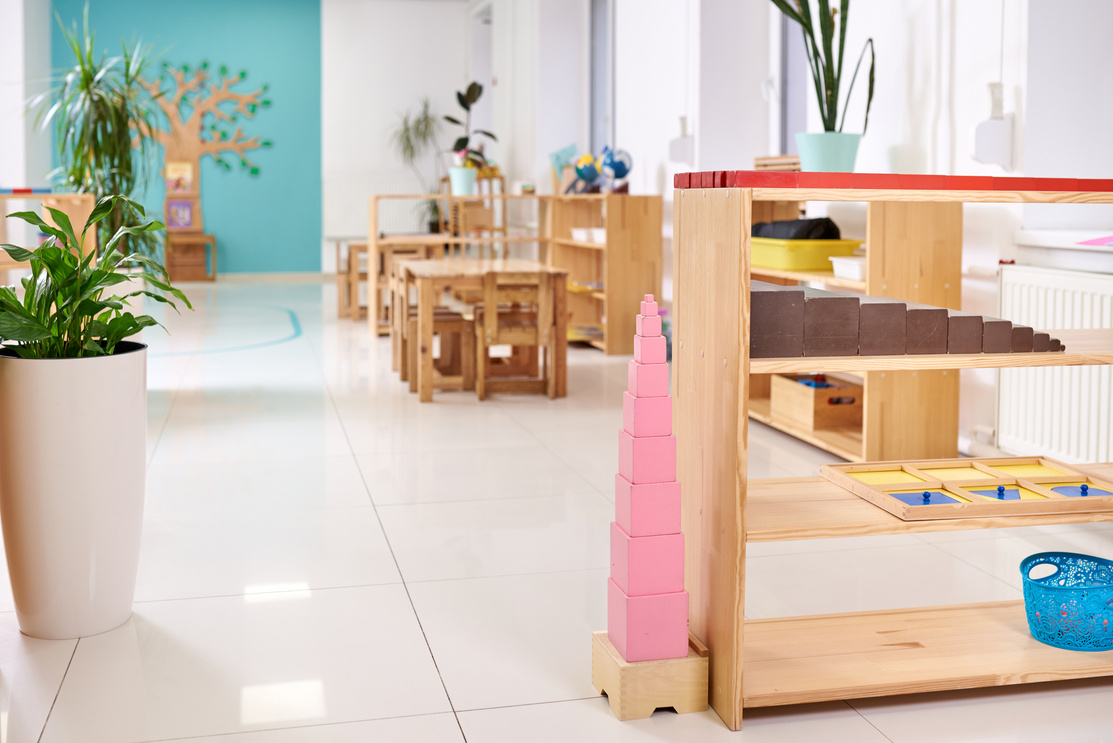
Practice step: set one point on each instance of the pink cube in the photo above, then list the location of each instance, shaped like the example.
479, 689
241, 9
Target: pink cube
647, 459
650, 349
647, 380
647, 627
646, 416
646, 565
647, 510
648, 306
646, 325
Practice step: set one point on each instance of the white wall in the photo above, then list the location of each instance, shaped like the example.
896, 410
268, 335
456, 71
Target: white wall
378, 59
24, 73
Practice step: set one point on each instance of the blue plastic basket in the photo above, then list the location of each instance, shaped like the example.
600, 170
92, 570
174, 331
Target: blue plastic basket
1072, 608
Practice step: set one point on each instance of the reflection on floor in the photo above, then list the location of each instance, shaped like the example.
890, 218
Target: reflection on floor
326, 560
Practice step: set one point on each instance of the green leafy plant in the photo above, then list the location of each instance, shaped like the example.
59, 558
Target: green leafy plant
824, 63
66, 310
102, 118
469, 155
416, 134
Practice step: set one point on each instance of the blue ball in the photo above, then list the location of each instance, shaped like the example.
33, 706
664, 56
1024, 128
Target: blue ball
617, 164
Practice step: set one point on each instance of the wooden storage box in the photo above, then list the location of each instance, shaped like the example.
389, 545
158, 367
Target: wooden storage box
812, 408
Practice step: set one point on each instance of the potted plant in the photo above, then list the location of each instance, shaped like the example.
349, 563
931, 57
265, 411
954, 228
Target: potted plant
73, 444
832, 150
416, 135
469, 157
103, 120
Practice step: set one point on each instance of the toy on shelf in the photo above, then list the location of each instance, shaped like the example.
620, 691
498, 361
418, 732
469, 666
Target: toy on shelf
646, 659
972, 488
790, 321
616, 167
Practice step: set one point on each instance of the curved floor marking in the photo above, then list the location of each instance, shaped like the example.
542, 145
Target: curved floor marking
296, 332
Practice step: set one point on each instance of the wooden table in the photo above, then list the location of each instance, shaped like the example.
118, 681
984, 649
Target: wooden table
434, 277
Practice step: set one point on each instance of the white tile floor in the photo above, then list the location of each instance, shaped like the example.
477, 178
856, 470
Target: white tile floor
327, 560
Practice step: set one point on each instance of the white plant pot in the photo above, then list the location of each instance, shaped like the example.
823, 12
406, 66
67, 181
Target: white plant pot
828, 152
72, 478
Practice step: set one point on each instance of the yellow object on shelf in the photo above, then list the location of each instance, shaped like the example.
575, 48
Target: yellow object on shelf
585, 332
798, 255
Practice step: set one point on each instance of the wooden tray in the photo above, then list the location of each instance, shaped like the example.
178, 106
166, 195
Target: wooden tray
969, 488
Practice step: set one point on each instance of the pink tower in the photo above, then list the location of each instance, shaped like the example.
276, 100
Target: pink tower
647, 606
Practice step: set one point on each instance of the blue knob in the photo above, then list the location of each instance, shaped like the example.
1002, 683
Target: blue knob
927, 496
1085, 490
1001, 492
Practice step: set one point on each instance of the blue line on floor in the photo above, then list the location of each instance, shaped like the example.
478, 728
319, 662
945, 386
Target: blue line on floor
295, 324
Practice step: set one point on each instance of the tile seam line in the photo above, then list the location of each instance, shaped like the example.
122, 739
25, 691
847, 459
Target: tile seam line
386, 538
58, 693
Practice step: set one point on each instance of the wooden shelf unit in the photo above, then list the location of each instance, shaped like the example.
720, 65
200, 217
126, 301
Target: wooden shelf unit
794, 660
628, 263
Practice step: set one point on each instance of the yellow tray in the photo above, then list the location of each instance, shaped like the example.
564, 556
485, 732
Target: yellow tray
798, 255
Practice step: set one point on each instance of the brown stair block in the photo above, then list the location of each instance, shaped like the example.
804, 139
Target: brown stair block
776, 321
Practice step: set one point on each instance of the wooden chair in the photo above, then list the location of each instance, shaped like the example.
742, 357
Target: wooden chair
455, 367
517, 311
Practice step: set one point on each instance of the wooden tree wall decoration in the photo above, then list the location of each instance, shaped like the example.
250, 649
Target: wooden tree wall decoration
201, 112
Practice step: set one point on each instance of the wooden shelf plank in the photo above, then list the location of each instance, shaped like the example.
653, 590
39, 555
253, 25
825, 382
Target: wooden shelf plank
902, 194
869, 654
1084, 347
815, 508
578, 244
842, 442
827, 277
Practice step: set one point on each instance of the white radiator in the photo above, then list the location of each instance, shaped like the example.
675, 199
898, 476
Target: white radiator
345, 197
1063, 412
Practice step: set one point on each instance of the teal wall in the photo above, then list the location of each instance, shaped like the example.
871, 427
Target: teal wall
265, 223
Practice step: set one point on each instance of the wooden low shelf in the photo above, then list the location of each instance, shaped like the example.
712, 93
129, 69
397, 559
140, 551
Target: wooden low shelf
905, 651
783, 661
580, 244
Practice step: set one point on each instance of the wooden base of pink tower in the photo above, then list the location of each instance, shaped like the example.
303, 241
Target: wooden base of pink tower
636, 689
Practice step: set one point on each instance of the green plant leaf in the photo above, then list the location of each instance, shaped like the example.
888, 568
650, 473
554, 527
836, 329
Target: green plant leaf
21, 328
460, 144
17, 253
453, 120
486, 133
474, 91
463, 101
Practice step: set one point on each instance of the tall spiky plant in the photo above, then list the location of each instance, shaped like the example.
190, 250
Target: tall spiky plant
825, 64
102, 118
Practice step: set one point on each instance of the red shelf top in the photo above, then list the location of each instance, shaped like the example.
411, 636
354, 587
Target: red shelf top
793, 179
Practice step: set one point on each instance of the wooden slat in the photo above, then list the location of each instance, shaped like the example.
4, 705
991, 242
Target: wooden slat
710, 298
848, 656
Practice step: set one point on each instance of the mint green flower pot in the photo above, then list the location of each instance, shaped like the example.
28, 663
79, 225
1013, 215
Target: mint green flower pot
829, 152
462, 180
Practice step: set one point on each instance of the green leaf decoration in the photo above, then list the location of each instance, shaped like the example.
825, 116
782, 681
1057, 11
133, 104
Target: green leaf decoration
243, 74
460, 144
463, 101
266, 143
204, 64
223, 70
185, 68
265, 102
254, 170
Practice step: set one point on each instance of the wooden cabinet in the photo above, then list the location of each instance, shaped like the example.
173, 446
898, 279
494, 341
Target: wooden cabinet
606, 280
806, 659
913, 253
